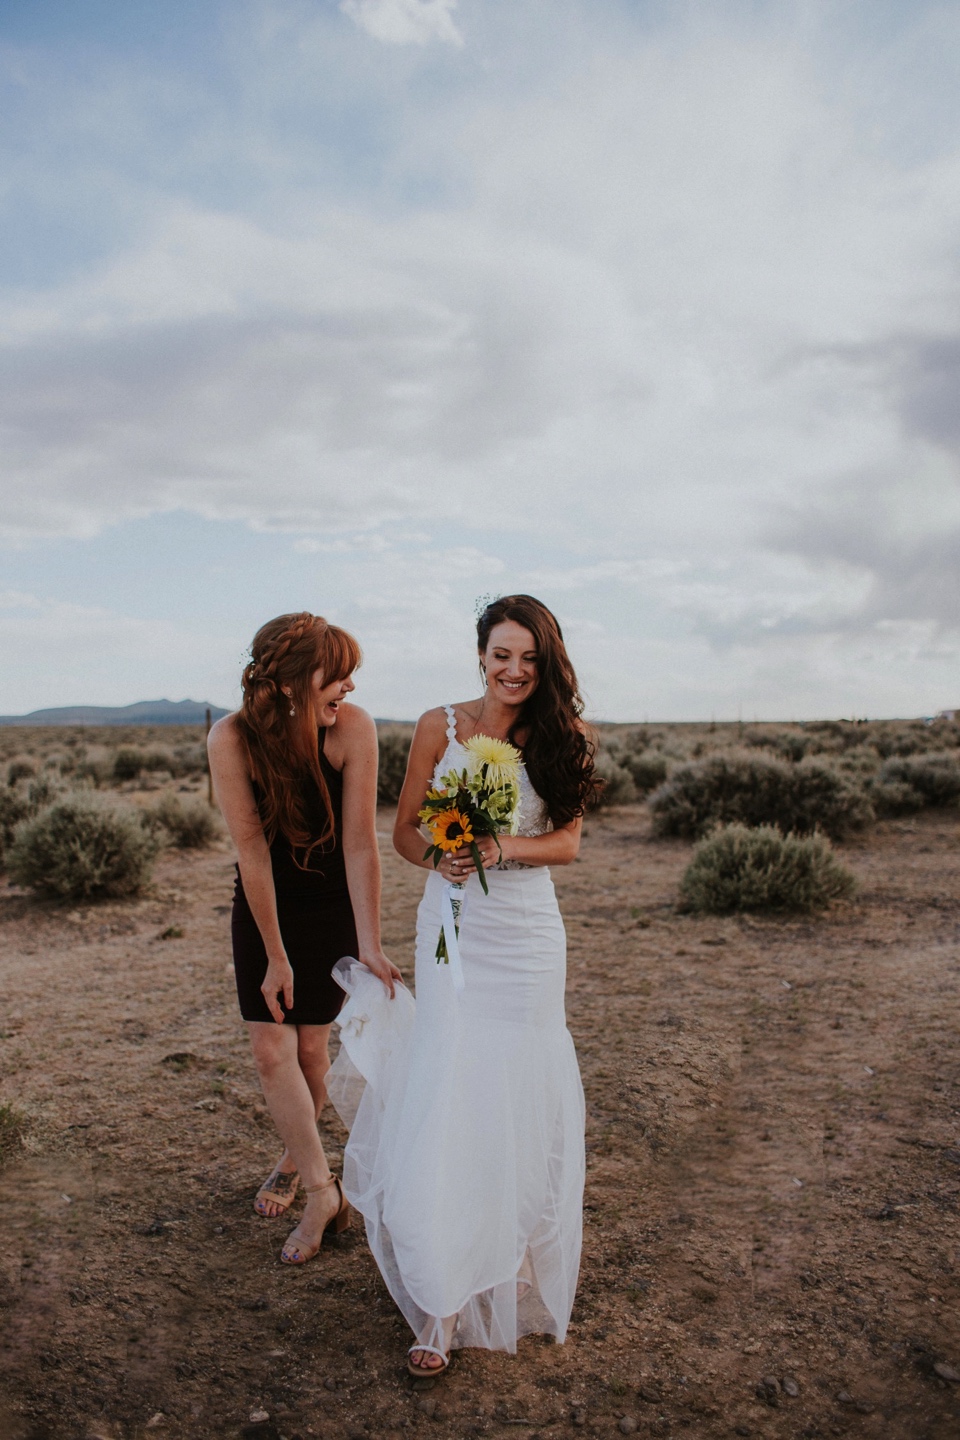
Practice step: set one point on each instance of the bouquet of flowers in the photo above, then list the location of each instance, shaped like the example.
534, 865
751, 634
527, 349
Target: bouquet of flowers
481, 799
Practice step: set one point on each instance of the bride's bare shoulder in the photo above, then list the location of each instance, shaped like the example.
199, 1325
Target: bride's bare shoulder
432, 722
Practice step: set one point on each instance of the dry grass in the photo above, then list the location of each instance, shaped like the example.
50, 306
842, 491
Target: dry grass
773, 1171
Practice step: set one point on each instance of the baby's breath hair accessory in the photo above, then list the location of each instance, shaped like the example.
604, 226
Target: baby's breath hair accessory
483, 602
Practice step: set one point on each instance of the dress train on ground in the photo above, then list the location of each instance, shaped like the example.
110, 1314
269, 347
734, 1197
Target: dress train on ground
466, 1118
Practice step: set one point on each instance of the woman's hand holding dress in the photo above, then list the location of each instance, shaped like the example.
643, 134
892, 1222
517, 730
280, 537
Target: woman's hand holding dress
384, 969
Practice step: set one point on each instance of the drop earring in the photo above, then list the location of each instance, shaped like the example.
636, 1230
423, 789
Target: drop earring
293, 709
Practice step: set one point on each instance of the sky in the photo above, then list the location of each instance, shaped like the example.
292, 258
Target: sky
378, 307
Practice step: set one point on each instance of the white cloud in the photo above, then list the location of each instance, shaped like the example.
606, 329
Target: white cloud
405, 22
678, 315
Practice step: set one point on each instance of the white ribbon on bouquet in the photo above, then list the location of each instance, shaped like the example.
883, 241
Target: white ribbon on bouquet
452, 894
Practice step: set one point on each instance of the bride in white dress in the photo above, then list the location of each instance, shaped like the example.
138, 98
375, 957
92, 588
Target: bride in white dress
466, 1153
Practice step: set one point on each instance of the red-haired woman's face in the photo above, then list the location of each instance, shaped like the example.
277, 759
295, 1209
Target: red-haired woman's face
327, 698
510, 661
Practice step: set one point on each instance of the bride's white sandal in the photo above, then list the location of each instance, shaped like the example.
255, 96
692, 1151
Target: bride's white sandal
447, 1328
426, 1372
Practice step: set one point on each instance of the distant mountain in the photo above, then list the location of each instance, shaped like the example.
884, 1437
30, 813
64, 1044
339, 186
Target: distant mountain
145, 712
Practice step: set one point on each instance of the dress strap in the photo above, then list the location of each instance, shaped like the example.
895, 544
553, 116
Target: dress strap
451, 722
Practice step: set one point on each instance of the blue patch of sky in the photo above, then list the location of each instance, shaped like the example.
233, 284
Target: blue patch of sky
181, 567
174, 566
112, 110
179, 29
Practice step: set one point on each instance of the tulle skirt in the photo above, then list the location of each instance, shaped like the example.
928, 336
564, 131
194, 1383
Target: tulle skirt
466, 1153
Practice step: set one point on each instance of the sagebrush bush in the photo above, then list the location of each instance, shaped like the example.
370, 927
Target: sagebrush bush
618, 787
93, 772
913, 737
20, 770
14, 807
788, 744
756, 789
127, 763
737, 867
189, 760
394, 749
160, 759
861, 762
935, 778
892, 797
18, 804
80, 849
826, 799
193, 826
648, 768
831, 736
42, 791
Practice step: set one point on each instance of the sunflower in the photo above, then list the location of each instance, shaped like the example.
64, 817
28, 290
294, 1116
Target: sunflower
451, 830
500, 757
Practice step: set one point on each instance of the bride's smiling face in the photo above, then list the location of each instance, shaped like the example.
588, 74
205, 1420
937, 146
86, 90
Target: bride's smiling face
510, 662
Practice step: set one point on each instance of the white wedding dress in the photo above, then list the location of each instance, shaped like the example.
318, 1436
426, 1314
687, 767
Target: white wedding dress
466, 1117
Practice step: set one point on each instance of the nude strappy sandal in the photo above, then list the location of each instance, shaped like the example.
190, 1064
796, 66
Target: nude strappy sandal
280, 1187
298, 1252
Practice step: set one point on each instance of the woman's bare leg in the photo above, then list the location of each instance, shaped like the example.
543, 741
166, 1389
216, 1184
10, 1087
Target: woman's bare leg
313, 1054
292, 1101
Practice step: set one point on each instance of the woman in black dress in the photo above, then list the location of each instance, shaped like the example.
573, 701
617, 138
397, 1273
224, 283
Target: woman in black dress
295, 769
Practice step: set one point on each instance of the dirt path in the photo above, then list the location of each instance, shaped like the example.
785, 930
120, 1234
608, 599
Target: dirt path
773, 1174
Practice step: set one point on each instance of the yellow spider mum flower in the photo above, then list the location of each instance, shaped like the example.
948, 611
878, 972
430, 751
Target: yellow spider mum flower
451, 830
500, 757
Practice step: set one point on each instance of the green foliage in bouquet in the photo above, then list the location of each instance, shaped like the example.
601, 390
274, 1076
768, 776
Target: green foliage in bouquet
481, 799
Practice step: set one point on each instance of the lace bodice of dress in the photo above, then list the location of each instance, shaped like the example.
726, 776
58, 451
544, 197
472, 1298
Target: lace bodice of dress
534, 819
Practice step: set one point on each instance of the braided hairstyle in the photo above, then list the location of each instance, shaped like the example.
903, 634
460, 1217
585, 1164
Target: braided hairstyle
558, 753
279, 731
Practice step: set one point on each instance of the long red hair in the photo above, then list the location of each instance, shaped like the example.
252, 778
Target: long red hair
279, 731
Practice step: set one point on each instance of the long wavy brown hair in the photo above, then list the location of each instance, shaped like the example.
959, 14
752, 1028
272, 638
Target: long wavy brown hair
558, 751
279, 731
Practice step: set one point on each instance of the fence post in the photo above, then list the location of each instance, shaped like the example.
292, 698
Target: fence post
206, 758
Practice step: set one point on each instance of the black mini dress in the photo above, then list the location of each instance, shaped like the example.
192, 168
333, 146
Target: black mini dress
314, 911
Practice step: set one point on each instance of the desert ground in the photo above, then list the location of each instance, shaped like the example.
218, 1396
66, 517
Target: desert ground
771, 1242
